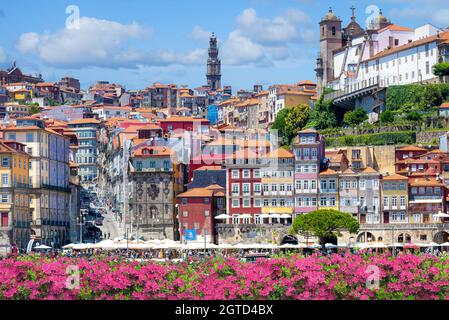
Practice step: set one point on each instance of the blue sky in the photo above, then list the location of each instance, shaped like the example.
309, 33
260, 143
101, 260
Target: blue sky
138, 42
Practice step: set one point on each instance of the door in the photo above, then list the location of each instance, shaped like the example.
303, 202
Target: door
362, 218
386, 217
4, 219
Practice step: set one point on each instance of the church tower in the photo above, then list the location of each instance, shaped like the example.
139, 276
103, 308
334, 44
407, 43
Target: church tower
330, 39
213, 65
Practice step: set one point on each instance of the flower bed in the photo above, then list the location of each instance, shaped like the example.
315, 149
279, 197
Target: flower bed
316, 277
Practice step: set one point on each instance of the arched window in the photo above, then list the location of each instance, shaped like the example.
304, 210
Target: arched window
333, 31
404, 238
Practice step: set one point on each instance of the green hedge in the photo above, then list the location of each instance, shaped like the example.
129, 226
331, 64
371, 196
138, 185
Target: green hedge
417, 95
375, 139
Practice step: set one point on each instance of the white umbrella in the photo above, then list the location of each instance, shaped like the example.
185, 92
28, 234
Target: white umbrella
81, 246
225, 246
264, 216
42, 247
344, 245
315, 246
433, 244
330, 245
292, 246
245, 216
363, 245
285, 216
395, 245
275, 216
378, 245
69, 246
222, 216
441, 215
446, 244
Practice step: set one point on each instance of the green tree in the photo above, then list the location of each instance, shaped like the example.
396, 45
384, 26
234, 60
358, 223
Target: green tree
387, 116
34, 109
356, 117
323, 115
441, 69
325, 223
414, 116
295, 120
279, 124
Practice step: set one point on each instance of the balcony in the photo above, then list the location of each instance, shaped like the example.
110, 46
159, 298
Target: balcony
426, 199
152, 170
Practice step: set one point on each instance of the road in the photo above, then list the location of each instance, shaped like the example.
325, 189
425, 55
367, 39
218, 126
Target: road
110, 225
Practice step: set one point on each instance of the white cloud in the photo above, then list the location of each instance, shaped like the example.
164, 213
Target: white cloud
263, 41
2, 55
428, 14
200, 34
99, 43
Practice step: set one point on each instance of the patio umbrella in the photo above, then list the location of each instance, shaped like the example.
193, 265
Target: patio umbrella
290, 246
441, 215
411, 245
222, 217
42, 247
264, 216
275, 216
285, 216
363, 245
378, 245
315, 246
245, 216
330, 245
446, 244
395, 245
433, 244
69, 246
225, 246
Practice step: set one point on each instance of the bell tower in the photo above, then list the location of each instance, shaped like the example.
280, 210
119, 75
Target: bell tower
213, 65
330, 40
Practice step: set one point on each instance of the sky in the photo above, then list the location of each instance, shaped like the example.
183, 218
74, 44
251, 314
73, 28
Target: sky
139, 42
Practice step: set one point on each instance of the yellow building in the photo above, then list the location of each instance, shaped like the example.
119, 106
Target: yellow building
394, 199
14, 195
277, 184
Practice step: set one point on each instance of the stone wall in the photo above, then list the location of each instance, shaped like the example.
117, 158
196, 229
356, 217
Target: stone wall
251, 233
427, 137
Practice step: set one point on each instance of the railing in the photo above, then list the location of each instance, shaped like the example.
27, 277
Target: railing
353, 87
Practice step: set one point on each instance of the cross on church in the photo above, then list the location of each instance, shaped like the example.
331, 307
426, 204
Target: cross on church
353, 12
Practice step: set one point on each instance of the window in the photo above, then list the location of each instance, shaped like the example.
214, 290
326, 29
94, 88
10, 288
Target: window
4, 198
235, 174
394, 201
5, 181
362, 184
386, 202
246, 174
298, 184
306, 184
257, 188
314, 153
246, 188
427, 67
402, 201
12, 136
256, 173
334, 31
29, 137
185, 213
235, 203
257, 203
246, 203
5, 161
206, 200
235, 188
306, 153
375, 184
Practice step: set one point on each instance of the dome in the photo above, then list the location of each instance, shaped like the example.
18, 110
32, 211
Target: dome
381, 18
330, 16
